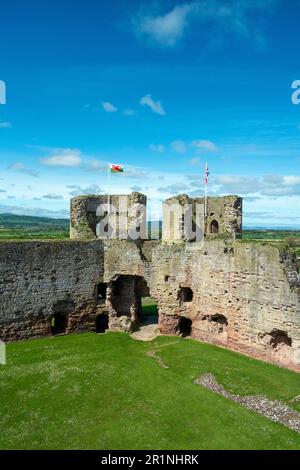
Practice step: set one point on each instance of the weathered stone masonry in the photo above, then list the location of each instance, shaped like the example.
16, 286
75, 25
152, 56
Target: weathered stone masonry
41, 279
245, 296
242, 296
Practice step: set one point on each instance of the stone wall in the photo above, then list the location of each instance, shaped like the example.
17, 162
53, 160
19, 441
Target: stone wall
42, 279
242, 296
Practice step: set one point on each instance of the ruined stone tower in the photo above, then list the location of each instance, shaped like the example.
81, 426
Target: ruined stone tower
120, 217
243, 296
224, 217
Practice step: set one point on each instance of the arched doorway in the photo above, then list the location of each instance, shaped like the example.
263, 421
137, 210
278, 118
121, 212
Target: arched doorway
185, 326
214, 227
62, 309
59, 324
102, 323
130, 296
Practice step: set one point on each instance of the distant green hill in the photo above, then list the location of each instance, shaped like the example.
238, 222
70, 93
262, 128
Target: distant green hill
36, 223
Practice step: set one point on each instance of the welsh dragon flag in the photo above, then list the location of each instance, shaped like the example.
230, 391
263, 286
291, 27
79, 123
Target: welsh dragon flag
114, 168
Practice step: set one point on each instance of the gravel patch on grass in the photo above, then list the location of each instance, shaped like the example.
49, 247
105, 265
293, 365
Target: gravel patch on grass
272, 409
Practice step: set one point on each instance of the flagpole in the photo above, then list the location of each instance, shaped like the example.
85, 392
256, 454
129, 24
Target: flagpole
108, 188
205, 205
206, 190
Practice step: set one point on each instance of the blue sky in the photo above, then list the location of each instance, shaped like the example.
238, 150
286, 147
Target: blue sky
161, 87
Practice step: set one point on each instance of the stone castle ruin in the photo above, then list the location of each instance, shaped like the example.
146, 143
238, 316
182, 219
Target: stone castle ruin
216, 288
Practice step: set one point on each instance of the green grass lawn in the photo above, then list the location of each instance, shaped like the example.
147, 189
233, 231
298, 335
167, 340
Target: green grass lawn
93, 391
149, 307
33, 234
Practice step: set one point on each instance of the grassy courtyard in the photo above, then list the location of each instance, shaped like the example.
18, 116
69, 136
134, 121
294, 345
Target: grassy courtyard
93, 391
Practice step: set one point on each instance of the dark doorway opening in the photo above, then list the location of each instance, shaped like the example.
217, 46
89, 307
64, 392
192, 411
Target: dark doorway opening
102, 323
101, 292
214, 227
185, 294
59, 324
185, 326
130, 296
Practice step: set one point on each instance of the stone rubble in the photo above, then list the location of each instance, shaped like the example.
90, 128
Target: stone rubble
272, 409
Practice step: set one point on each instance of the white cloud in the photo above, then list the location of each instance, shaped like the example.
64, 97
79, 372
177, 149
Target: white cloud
271, 186
156, 106
195, 161
159, 148
129, 112
174, 188
167, 29
136, 189
232, 184
109, 107
72, 158
277, 185
291, 180
18, 166
179, 146
79, 190
238, 17
64, 158
34, 211
94, 165
53, 196
205, 145
5, 125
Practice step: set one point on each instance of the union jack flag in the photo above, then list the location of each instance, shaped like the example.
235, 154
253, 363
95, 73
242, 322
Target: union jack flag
206, 174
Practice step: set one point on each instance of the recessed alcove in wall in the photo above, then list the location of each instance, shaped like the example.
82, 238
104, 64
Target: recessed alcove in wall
218, 318
59, 323
169, 279
185, 326
101, 289
102, 323
60, 318
185, 294
214, 227
216, 324
279, 337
